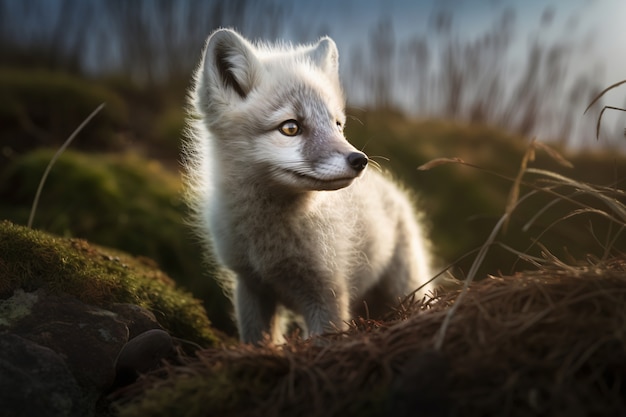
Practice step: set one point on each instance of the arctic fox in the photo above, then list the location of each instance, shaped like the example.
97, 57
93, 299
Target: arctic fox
284, 200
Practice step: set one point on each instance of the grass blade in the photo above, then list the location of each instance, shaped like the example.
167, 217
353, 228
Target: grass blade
69, 140
603, 92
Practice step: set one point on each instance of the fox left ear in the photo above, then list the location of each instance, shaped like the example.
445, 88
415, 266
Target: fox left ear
326, 56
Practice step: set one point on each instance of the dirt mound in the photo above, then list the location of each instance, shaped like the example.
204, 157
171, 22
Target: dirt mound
550, 342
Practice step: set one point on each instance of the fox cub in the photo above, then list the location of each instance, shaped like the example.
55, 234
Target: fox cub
284, 200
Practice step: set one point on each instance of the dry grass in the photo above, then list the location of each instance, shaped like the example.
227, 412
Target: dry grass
550, 342
598, 97
67, 142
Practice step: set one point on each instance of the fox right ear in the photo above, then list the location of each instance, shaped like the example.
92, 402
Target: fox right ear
230, 62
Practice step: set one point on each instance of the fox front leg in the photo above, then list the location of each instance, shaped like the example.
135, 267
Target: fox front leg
326, 312
255, 311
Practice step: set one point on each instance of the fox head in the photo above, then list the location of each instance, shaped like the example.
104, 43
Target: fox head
276, 112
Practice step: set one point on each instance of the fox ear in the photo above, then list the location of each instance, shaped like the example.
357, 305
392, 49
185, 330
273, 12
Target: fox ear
326, 56
230, 62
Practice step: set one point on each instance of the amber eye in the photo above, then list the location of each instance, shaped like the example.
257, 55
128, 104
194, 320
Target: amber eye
290, 128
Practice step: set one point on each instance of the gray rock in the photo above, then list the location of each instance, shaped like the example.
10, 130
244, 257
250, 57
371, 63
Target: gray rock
35, 381
143, 353
87, 337
136, 318
63, 352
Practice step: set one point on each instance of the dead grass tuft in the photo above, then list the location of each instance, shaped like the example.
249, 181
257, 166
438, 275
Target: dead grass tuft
549, 342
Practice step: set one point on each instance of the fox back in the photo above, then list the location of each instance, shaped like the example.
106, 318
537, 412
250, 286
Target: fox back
284, 200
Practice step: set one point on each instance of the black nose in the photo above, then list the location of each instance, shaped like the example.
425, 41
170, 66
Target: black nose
357, 160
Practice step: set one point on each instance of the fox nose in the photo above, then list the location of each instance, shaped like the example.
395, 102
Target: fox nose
357, 160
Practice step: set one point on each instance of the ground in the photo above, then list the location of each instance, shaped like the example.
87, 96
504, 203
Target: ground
545, 342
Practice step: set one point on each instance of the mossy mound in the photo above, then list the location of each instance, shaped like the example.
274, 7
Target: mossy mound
550, 342
123, 201
31, 259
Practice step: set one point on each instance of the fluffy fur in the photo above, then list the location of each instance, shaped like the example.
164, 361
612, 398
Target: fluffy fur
284, 200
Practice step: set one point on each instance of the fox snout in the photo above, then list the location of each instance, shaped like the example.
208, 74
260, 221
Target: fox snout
357, 161
334, 169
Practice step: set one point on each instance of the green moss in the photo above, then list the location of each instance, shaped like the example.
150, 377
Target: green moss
32, 259
121, 201
16, 307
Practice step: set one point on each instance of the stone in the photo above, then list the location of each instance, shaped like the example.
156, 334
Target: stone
88, 346
88, 337
142, 354
36, 382
136, 318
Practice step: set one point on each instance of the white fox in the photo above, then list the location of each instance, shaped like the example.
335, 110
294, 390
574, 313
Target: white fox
284, 200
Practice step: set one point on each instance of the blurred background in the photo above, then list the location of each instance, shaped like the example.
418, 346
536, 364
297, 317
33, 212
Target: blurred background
424, 79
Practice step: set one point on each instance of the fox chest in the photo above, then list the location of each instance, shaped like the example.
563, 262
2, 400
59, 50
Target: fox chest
270, 243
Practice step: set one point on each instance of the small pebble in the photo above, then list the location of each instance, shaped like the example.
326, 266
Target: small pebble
142, 354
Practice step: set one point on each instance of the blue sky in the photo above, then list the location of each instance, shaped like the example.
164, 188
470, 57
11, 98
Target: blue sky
600, 24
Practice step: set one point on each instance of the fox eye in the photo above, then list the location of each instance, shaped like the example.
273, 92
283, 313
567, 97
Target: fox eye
290, 128
339, 125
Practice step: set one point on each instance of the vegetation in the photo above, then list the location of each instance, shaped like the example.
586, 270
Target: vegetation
463, 204
30, 260
532, 344
122, 201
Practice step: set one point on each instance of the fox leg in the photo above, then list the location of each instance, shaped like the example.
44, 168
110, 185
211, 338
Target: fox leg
255, 312
326, 311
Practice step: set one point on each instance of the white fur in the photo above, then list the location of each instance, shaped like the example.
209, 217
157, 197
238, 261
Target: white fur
296, 219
